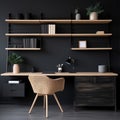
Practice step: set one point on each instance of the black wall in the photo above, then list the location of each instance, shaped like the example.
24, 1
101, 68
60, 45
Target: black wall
56, 50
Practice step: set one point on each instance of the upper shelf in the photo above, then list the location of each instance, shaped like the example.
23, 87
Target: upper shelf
58, 35
64, 21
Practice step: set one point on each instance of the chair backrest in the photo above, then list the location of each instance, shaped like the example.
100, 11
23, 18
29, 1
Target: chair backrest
45, 85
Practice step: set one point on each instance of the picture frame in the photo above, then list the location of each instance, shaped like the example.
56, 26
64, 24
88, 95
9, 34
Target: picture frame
82, 44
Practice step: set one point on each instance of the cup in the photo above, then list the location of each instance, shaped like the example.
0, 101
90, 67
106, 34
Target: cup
102, 68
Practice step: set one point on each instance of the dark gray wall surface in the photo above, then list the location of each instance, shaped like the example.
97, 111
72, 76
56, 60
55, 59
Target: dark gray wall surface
56, 50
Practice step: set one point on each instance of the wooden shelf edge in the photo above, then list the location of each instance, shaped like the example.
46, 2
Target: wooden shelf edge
61, 74
22, 48
91, 48
73, 21
58, 35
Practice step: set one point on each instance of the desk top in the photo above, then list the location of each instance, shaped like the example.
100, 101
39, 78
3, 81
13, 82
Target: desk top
61, 74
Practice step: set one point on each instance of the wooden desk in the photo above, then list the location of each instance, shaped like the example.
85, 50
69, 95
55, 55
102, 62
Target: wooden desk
97, 90
61, 74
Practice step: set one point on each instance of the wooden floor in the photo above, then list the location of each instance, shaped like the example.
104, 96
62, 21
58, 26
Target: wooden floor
20, 112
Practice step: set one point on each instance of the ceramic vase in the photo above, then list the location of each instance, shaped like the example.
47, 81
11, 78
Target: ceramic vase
77, 16
16, 68
93, 16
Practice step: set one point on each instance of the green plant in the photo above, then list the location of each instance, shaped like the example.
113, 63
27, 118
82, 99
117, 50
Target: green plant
15, 59
95, 8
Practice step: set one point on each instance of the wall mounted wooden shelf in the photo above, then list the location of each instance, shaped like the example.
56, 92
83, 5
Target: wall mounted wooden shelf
57, 35
91, 48
18, 21
22, 48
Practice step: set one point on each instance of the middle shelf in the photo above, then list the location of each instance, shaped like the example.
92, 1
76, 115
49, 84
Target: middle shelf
58, 35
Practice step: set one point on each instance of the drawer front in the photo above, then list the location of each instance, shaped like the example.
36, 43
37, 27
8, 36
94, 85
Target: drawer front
14, 90
94, 91
94, 80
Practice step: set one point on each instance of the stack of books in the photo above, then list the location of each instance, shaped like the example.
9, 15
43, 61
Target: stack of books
44, 28
48, 28
30, 42
51, 29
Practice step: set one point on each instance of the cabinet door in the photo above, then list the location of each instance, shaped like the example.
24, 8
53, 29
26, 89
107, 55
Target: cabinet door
94, 91
14, 90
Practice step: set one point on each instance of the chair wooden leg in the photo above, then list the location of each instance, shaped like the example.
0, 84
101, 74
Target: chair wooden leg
44, 101
58, 102
46, 105
33, 103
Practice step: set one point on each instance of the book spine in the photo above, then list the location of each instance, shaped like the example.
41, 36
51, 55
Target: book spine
53, 29
35, 43
49, 29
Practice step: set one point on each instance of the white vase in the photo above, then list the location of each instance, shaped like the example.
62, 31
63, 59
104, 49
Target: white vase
77, 16
16, 68
93, 16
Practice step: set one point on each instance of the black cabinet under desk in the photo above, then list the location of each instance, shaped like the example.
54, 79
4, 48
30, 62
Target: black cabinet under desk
14, 90
95, 91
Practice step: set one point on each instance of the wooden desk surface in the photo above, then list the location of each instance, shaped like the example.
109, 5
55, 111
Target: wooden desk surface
61, 74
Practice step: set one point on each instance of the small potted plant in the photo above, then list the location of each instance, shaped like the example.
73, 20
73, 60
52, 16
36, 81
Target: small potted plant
94, 10
15, 59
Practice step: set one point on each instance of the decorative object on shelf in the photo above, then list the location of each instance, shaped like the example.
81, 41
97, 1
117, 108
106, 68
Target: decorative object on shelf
16, 68
15, 60
77, 14
82, 44
102, 68
100, 32
71, 61
59, 66
94, 10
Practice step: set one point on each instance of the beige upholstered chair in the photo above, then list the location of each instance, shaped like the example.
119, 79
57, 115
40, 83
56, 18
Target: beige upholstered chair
44, 86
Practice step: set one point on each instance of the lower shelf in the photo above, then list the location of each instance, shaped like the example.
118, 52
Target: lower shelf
91, 48
23, 48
